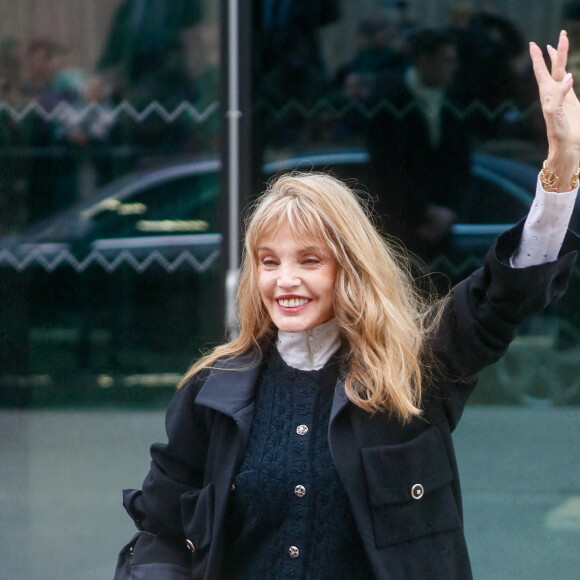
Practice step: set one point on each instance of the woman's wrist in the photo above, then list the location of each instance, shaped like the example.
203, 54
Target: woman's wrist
560, 172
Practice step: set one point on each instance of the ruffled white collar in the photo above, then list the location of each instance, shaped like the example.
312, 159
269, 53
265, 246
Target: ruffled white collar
309, 350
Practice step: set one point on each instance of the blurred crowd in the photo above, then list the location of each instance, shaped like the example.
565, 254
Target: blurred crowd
417, 98
59, 123
490, 78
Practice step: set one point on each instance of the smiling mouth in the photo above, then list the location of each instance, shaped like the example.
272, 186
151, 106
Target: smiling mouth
292, 302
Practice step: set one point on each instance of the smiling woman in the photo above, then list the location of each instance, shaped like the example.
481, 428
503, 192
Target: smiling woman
310, 237
323, 393
317, 443
296, 280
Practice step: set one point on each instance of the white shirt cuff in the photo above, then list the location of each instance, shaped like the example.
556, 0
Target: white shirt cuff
545, 227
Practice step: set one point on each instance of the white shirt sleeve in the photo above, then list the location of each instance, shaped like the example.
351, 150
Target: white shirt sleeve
545, 227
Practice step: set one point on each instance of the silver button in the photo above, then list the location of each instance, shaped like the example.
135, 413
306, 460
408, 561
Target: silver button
417, 491
302, 429
300, 490
190, 545
294, 552
233, 487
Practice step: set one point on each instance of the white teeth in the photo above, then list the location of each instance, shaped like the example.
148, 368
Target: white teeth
292, 302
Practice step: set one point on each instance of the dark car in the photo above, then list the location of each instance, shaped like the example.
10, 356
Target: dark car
174, 210
124, 289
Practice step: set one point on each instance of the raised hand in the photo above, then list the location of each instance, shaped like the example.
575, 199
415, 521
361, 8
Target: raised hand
561, 110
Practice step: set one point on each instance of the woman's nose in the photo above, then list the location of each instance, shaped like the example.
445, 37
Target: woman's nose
287, 278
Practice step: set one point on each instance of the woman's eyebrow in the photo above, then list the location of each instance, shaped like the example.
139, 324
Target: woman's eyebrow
303, 250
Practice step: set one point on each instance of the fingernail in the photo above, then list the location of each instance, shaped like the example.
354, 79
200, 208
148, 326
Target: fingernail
567, 77
563, 32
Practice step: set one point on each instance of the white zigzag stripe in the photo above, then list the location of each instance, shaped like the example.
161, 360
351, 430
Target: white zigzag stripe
66, 111
65, 258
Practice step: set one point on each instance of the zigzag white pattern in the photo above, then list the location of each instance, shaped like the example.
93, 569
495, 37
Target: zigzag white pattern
64, 258
309, 111
66, 111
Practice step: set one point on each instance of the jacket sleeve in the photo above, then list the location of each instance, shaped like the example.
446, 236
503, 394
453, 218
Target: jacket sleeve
483, 314
177, 468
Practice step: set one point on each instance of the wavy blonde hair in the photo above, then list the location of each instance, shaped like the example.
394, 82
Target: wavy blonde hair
381, 316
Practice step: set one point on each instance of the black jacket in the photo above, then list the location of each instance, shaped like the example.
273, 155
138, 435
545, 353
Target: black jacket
381, 463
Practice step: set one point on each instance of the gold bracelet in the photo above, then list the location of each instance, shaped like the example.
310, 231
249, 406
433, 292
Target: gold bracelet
550, 180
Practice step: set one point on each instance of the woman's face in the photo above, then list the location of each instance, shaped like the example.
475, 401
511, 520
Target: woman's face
296, 280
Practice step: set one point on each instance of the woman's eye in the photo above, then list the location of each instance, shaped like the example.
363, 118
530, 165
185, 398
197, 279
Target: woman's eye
268, 262
311, 261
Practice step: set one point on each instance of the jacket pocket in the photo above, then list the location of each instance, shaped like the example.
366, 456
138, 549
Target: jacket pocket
150, 557
409, 489
197, 513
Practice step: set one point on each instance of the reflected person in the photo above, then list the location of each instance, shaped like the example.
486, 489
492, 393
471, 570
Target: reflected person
420, 147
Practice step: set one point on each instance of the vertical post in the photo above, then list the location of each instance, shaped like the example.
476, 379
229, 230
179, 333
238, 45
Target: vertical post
236, 94
233, 115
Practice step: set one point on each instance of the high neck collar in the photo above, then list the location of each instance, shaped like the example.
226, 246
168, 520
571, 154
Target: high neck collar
310, 349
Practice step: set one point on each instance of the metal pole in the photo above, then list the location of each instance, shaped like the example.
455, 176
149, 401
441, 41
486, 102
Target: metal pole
233, 115
238, 164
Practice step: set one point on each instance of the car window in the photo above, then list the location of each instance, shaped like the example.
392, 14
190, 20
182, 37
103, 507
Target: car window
183, 205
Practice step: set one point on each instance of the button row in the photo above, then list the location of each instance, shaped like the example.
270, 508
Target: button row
299, 491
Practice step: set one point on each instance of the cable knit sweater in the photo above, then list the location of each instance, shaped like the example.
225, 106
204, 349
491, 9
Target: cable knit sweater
289, 515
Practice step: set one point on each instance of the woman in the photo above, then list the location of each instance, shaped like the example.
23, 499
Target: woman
317, 444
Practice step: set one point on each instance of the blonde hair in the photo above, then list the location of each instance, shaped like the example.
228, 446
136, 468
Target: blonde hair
380, 314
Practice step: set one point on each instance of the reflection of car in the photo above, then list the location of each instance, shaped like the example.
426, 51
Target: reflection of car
124, 289
170, 209
121, 290
175, 208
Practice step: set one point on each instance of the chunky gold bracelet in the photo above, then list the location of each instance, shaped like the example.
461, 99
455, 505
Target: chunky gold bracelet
550, 180
574, 180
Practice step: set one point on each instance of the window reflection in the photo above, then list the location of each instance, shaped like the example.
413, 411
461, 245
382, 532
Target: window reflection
75, 116
109, 197
110, 237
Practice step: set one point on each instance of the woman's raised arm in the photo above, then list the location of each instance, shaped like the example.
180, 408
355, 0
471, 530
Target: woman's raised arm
545, 227
561, 110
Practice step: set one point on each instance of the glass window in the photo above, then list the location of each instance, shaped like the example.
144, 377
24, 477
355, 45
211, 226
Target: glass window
110, 185
112, 249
